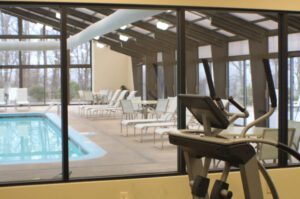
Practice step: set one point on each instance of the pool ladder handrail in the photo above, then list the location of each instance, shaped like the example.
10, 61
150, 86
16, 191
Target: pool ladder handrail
51, 106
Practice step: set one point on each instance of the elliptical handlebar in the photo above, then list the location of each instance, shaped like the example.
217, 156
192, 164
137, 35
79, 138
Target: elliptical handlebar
270, 82
236, 104
210, 82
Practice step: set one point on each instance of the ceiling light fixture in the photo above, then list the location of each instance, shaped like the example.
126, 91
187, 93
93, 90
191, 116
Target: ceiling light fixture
57, 15
162, 25
123, 38
100, 45
123, 27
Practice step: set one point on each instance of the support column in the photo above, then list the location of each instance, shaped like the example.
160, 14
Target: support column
220, 59
137, 75
169, 63
191, 69
258, 51
151, 59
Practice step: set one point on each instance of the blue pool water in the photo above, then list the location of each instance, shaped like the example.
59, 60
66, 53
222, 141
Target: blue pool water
29, 138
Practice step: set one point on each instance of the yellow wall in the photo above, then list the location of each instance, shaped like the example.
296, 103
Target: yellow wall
253, 4
287, 182
110, 69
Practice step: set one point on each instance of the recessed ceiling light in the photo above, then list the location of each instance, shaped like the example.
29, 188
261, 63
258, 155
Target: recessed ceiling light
123, 27
162, 25
97, 37
57, 15
100, 45
123, 37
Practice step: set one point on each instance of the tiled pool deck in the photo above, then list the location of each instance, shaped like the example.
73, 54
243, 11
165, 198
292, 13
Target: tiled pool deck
124, 154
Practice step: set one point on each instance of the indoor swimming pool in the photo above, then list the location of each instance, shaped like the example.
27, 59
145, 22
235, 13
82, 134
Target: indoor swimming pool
36, 138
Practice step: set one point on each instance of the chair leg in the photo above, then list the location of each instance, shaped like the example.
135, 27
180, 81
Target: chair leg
162, 141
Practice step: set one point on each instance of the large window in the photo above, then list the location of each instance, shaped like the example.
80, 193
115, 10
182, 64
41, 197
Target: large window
139, 56
240, 87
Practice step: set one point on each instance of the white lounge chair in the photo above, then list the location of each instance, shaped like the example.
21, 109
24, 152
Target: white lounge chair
2, 99
85, 110
22, 98
128, 111
167, 116
143, 127
160, 108
12, 94
108, 110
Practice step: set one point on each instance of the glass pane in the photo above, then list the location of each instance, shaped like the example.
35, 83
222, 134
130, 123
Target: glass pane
33, 80
236, 85
52, 85
30, 135
33, 58
8, 24
294, 92
80, 79
120, 60
9, 57
80, 54
202, 84
52, 57
30, 28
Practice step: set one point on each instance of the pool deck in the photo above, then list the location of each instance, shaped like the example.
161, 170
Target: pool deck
124, 155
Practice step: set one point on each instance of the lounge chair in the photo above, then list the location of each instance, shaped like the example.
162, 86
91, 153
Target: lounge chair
108, 110
22, 98
85, 110
167, 116
143, 127
2, 99
128, 111
160, 108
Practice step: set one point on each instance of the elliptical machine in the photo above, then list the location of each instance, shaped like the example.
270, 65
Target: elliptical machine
200, 147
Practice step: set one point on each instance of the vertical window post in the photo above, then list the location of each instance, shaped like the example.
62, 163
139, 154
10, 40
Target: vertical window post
283, 86
64, 93
181, 80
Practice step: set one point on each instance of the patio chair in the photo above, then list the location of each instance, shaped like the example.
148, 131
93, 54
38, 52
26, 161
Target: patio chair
160, 108
108, 110
103, 96
85, 110
267, 152
136, 106
143, 127
88, 97
2, 99
131, 95
128, 111
167, 116
22, 98
163, 131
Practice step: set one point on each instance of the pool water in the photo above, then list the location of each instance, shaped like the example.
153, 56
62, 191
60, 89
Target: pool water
33, 138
